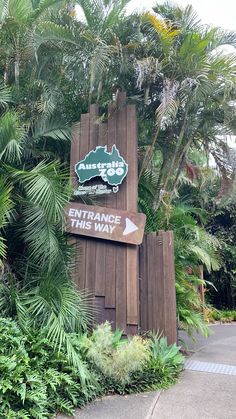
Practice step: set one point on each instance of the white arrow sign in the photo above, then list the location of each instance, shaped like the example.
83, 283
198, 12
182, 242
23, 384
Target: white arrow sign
130, 227
105, 223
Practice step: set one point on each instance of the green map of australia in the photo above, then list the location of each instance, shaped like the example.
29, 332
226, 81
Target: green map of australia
110, 166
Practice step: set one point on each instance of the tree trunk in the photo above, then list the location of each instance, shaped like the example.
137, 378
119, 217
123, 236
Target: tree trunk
148, 154
157, 199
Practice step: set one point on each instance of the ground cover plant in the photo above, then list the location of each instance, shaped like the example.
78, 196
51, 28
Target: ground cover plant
36, 382
223, 316
133, 365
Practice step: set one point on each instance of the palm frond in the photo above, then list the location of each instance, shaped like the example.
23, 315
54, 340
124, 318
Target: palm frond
6, 203
44, 6
168, 107
12, 135
3, 10
49, 97
100, 59
5, 95
19, 10
160, 26
42, 237
49, 31
55, 306
51, 128
6, 206
46, 187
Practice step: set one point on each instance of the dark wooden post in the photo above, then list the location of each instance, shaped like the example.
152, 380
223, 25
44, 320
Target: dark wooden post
110, 269
157, 285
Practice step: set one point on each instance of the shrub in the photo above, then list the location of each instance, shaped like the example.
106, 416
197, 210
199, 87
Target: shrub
162, 369
114, 357
37, 382
223, 316
34, 381
133, 365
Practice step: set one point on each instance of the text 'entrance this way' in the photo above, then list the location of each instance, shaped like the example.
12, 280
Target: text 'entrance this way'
105, 223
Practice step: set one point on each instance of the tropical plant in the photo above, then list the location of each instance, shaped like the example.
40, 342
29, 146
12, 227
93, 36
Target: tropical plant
162, 369
114, 357
222, 225
35, 382
100, 27
34, 181
188, 101
133, 365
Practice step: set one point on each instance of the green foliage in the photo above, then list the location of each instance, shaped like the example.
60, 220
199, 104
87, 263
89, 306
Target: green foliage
49, 303
133, 365
189, 305
223, 316
6, 205
223, 226
114, 357
35, 382
162, 369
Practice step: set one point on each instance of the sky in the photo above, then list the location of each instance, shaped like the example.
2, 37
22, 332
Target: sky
216, 12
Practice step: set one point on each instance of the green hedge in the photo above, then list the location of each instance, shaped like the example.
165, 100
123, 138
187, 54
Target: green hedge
36, 382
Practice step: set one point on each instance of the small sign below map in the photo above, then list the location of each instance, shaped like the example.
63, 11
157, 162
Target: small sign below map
94, 190
105, 223
109, 166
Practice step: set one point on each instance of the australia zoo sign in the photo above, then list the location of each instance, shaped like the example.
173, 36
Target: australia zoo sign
110, 167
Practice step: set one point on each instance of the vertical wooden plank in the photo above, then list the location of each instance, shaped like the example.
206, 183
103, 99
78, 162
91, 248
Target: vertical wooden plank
132, 177
100, 271
151, 277
101, 248
83, 149
84, 139
74, 154
159, 312
110, 277
102, 141
92, 244
131, 205
121, 287
131, 330
100, 312
111, 139
121, 249
132, 285
169, 287
143, 284
110, 314
73, 271
81, 262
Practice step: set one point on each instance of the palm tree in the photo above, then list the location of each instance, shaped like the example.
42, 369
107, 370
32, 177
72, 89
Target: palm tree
190, 83
35, 282
99, 30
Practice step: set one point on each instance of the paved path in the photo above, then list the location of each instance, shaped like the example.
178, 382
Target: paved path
198, 395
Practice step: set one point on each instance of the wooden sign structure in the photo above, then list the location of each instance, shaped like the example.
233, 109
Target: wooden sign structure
109, 269
105, 223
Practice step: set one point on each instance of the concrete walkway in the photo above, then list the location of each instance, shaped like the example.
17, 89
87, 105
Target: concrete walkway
198, 395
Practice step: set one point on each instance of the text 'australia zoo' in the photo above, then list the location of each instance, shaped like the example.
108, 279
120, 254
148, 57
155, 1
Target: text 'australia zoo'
111, 167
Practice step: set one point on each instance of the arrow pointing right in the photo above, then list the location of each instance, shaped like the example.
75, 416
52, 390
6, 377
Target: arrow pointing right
130, 227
